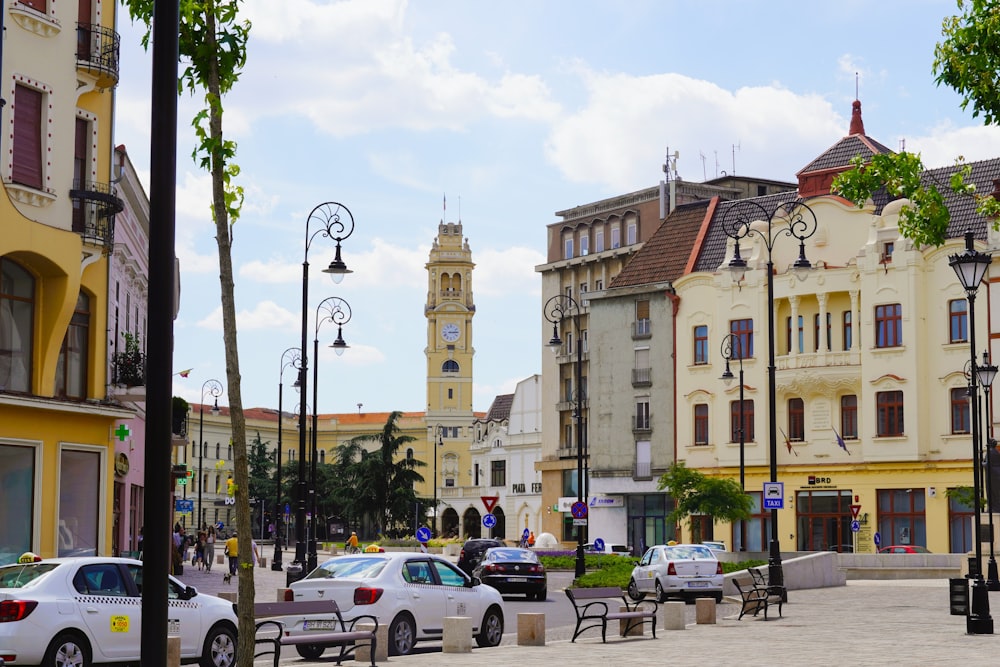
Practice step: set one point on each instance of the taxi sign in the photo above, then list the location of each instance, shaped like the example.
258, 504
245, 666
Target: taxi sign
774, 495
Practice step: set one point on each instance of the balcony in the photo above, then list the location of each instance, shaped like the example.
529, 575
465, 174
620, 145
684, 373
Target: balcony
566, 452
642, 377
642, 329
641, 424
94, 210
97, 50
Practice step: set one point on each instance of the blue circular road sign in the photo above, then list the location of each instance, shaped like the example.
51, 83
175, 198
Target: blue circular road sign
599, 545
423, 534
489, 520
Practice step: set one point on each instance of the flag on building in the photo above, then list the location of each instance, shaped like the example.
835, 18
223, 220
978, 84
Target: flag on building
788, 443
840, 442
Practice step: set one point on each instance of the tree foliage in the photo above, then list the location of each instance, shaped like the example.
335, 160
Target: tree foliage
696, 493
261, 463
968, 59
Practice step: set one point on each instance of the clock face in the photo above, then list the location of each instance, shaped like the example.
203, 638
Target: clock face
450, 332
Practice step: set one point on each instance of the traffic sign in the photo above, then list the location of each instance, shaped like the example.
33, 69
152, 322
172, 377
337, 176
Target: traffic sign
855, 510
489, 520
855, 526
774, 495
599, 545
524, 535
489, 502
579, 510
878, 539
423, 534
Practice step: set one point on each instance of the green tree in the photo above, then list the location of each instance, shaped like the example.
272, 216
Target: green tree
261, 464
695, 493
212, 45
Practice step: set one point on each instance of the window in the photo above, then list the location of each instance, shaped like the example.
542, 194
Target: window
643, 459
17, 315
38, 5
568, 386
701, 424
630, 233
734, 421
218, 450
291, 455
599, 240
450, 366
888, 325
71, 373
451, 393
818, 333
801, 339
642, 317
79, 502
796, 420
18, 480
849, 417
598, 285
701, 344
584, 243
616, 236
848, 332
584, 301
958, 312
583, 341
568, 247
642, 415
887, 249
901, 516
960, 410
26, 148
743, 330
82, 140
889, 406
498, 473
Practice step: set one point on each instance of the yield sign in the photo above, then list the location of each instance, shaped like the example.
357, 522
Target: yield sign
490, 502
855, 509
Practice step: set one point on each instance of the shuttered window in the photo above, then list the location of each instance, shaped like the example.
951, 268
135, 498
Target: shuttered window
39, 5
27, 145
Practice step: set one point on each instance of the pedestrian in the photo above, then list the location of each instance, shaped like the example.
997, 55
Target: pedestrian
352, 543
209, 548
199, 551
138, 545
233, 552
254, 551
531, 539
177, 555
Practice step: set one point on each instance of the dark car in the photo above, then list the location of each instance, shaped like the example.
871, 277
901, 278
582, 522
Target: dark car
904, 549
473, 550
513, 570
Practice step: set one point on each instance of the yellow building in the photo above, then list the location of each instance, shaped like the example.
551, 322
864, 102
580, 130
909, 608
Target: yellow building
56, 441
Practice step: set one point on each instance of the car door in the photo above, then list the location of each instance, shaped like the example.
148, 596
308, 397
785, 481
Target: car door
426, 596
459, 598
111, 611
648, 569
184, 618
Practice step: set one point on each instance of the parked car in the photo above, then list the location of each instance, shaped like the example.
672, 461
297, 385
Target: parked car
609, 549
513, 570
63, 612
410, 592
473, 550
716, 546
682, 570
904, 549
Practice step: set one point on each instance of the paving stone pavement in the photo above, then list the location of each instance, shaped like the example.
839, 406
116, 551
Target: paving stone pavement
905, 622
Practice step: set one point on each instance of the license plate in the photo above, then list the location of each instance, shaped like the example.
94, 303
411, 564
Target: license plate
516, 579
697, 584
320, 625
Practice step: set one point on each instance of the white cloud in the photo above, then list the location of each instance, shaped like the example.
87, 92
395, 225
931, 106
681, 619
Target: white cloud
945, 143
505, 271
265, 315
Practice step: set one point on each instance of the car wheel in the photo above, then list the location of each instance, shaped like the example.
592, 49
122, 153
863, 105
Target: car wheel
67, 650
310, 651
220, 647
660, 595
542, 595
402, 635
718, 598
633, 591
491, 631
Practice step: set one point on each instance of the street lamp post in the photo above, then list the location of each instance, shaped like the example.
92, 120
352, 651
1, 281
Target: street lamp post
437, 443
214, 388
336, 310
732, 349
970, 267
555, 310
334, 221
290, 357
795, 219
987, 372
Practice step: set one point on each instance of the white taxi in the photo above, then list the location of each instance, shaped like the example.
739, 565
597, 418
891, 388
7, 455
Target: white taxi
63, 612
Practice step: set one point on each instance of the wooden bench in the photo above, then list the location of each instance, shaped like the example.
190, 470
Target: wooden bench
756, 598
592, 610
311, 645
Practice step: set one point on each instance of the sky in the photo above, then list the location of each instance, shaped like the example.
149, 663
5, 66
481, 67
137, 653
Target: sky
508, 112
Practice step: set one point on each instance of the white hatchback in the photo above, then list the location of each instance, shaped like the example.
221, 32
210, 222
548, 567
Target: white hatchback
409, 592
64, 612
682, 570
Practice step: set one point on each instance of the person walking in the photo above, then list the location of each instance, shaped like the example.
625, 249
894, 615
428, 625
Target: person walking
531, 539
233, 552
199, 551
209, 548
352, 543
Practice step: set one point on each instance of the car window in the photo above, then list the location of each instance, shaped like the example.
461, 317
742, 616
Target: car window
100, 579
697, 552
449, 575
348, 567
522, 555
24, 575
647, 557
417, 572
135, 571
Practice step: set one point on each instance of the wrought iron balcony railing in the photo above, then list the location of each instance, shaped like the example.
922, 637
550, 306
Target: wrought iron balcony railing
94, 210
97, 50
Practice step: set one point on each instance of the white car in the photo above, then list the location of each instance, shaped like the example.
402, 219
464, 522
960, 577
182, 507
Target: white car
63, 612
682, 570
609, 549
409, 592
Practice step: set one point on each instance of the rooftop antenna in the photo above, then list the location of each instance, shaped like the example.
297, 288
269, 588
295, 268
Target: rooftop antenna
716, 163
444, 207
670, 170
704, 175
359, 407
857, 95
736, 147
902, 145
460, 209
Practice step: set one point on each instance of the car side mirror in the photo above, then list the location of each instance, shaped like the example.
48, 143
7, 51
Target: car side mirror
475, 581
190, 592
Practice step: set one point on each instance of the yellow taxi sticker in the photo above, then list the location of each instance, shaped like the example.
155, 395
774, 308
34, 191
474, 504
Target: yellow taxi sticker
119, 624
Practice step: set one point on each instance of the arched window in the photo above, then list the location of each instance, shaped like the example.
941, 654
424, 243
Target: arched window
450, 366
71, 373
17, 314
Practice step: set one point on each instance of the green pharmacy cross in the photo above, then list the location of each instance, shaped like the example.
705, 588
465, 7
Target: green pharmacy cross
123, 432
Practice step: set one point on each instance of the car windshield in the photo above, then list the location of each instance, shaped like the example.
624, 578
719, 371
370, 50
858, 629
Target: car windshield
694, 552
24, 575
345, 567
522, 555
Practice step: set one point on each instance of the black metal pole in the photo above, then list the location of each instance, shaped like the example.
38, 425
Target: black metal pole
979, 621
775, 573
435, 443
992, 580
276, 565
158, 478
743, 487
201, 453
581, 531
300, 499
312, 461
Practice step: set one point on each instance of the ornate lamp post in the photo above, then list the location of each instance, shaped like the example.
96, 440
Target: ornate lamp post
336, 310
555, 310
214, 389
970, 267
987, 372
290, 357
331, 220
437, 442
746, 218
732, 349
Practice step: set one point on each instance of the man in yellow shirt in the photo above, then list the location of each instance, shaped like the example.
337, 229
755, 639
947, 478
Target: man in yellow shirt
232, 551
352, 543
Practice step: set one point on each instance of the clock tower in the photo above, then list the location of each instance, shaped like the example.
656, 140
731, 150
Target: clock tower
449, 311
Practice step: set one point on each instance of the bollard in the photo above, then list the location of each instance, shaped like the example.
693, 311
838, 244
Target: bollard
364, 653
220, 559
173, 651
262, 561
457, 635
673, 615
635, 631
530, 629
704, 611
